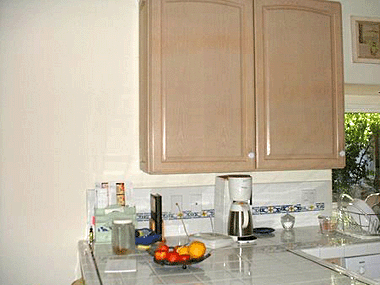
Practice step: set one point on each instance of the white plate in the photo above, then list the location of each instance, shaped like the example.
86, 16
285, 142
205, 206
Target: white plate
363, 214
212, 240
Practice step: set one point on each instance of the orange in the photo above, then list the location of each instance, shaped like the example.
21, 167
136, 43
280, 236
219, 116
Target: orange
183, 250
197, 249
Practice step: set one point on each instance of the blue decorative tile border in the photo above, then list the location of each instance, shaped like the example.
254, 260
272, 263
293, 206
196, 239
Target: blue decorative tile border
176, 216
256, 210
277, 209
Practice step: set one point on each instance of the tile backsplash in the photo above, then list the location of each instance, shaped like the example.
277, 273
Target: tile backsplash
305, 200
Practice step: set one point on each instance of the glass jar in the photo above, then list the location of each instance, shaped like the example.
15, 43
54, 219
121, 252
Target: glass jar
123, 237
287, 221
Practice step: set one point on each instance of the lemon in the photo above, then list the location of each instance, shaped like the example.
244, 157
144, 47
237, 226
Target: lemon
196, 249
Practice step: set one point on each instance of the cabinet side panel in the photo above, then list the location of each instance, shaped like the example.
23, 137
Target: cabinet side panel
143, 85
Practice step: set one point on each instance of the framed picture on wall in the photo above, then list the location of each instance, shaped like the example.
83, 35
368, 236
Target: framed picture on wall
365, 39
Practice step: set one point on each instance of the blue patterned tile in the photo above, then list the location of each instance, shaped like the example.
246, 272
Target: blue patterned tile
264, 210
256, 210
297, 208
320, 206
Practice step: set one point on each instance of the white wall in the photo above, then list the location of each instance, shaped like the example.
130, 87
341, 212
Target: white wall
358, 73
68, 88
68, 118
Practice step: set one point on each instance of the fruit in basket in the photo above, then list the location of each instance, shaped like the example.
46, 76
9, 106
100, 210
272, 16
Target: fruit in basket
196, 249
160, 254
173, 256
163, 247
183, 250
184, 257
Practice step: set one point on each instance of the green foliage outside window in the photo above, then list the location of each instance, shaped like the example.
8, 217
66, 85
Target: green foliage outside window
362, 148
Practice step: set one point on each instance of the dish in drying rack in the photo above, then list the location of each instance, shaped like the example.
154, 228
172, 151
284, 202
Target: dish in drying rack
373, 200
363, 215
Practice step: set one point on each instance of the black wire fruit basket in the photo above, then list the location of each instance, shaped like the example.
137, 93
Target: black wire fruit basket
184, 263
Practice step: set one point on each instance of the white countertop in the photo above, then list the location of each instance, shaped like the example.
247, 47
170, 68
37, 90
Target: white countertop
269, 260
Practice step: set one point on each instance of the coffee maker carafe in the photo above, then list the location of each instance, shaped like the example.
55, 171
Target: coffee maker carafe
240, 226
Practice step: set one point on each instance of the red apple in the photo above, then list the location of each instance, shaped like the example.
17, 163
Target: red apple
172, 256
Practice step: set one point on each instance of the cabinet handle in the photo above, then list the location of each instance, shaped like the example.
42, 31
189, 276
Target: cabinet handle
342, 153
251, 155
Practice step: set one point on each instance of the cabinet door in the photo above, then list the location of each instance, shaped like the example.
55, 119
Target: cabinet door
196, 86
299, 84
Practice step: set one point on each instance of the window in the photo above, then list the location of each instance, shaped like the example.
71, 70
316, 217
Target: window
361, 175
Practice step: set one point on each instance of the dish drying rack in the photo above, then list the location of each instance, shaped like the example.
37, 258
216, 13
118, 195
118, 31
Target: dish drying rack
364, 226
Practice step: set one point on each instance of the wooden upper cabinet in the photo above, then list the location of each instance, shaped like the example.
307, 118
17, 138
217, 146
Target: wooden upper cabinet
299, 84
196, 86
240, 85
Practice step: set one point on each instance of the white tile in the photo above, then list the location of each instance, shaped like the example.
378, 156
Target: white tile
224, 255
354, 249
147, 281
264, 194
141, 199
213, 275
264, 280
227, 282
208, 197
306, 266
180, 279
238, 265
312, 251
207, 266
168, 270
324, 282
288, 258
331, 252
302, 277
263, 257
266, 269
373, 248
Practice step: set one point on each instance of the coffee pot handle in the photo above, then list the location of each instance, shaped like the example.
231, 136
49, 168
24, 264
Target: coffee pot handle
245, 218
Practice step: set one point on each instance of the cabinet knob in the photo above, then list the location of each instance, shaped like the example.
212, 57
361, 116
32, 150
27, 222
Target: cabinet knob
251, 155
342, 153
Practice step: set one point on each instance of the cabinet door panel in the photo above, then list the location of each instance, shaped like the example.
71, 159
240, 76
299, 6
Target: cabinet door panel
299, 84
201, 96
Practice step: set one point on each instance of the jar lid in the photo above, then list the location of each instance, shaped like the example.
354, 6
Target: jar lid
122, 222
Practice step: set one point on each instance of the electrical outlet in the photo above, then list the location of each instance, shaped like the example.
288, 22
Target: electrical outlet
196, 202
308, 197
176, 199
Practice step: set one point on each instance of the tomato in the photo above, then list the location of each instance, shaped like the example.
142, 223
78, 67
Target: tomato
172, 256
160, 254
163, 247
184, 257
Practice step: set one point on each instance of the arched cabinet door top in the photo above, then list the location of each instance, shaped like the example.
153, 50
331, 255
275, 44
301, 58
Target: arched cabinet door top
196, 86
299, 84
